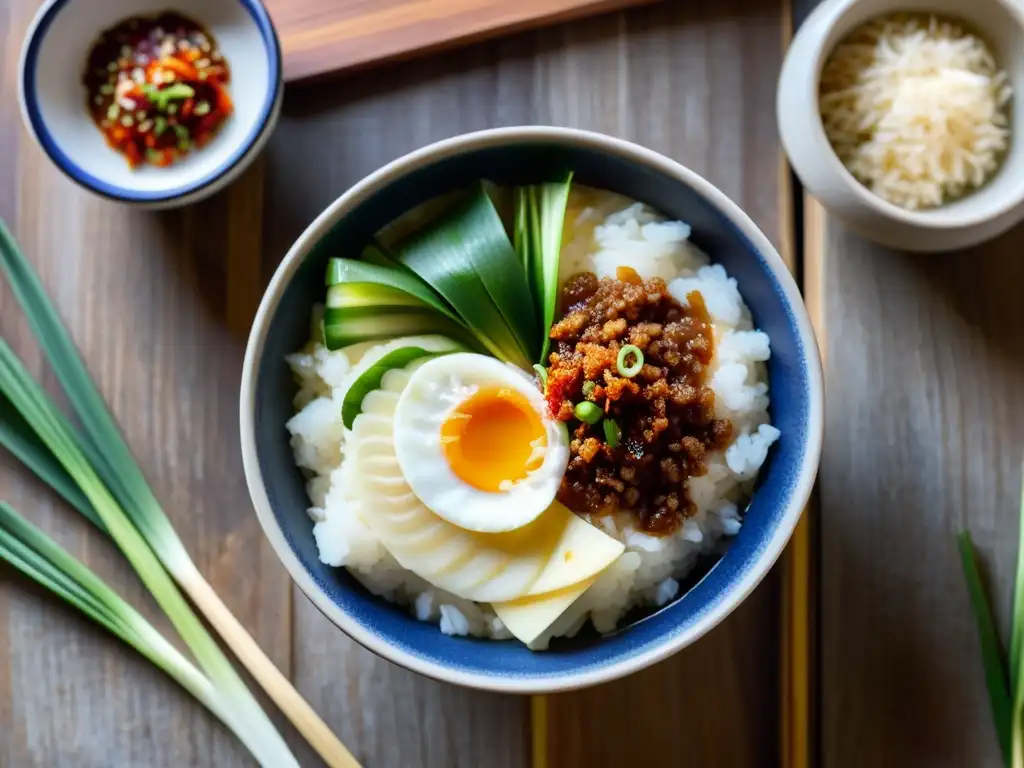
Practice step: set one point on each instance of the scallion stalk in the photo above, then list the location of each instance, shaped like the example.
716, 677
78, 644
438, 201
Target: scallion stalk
40, 558
101, 465
245, 715
1005, 686
991, 651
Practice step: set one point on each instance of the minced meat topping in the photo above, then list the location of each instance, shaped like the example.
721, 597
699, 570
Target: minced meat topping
663, 416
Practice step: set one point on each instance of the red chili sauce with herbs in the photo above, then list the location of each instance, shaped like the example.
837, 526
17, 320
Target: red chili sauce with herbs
157, 88
661, 416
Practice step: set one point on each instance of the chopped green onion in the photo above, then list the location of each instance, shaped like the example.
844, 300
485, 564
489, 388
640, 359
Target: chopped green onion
162, 97
629, 371
111, 485
612, 433
587, 412
159, 125
542, 374
588, 388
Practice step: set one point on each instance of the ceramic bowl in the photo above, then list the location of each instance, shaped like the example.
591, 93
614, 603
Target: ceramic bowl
975, 218
53, 99
517, 156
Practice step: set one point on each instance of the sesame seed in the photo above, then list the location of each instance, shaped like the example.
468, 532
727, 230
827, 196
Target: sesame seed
202, 108
141, 58
140, 115
112, 66
203, 63
184, 45
139, 75
203, 75
126, 121
172, 109
113, 111
158, 32
106, 89
204, 47
126, 50
145, 125
98, 100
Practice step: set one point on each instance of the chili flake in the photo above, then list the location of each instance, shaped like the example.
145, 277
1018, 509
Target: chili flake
168, 76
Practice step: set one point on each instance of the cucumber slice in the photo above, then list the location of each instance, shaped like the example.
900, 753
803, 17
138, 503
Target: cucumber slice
348, 271
370, 379
351, 325
350, 295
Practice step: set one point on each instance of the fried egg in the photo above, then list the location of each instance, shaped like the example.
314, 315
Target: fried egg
476, 444
551, 557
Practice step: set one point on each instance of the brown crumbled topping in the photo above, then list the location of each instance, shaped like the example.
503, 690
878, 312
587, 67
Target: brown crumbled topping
665, 412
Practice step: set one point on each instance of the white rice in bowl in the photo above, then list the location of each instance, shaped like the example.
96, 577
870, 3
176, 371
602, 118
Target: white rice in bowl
603, 232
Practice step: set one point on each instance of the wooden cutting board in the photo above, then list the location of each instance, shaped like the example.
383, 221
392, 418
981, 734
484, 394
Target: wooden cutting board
325, 36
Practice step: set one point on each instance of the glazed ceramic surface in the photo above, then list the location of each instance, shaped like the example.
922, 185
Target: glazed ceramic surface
516, 156
975, 218
53, 99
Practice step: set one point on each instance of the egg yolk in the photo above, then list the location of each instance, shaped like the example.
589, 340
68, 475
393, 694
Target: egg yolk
492, 438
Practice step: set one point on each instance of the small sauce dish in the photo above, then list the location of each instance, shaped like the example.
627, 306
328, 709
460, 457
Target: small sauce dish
967, 221
54, 100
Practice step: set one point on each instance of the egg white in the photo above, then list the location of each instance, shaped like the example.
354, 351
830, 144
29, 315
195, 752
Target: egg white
436, 389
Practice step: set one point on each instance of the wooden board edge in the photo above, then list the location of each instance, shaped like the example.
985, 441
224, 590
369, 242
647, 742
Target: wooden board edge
300, 67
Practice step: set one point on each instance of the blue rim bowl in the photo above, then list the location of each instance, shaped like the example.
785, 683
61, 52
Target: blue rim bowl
53, 100
510, 156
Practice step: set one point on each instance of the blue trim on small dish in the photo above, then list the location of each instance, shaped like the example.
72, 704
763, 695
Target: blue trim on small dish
79, 176
790, 376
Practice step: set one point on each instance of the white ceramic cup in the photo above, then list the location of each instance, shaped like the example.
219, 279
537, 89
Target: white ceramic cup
976, 217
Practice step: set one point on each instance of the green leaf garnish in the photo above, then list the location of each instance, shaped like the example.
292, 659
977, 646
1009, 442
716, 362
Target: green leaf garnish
466, 257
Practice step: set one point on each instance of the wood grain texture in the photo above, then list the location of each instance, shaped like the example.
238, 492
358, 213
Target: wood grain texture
694, 80
319, 37
160, 304
161, 324
923, 438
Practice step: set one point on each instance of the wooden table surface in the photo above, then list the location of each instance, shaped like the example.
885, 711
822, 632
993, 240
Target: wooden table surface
924, 418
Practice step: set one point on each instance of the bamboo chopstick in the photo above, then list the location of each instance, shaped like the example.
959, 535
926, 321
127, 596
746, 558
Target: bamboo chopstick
539, 731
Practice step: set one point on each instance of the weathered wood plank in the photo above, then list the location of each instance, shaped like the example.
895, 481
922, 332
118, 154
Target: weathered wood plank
923, 438
693, 80
159, 305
